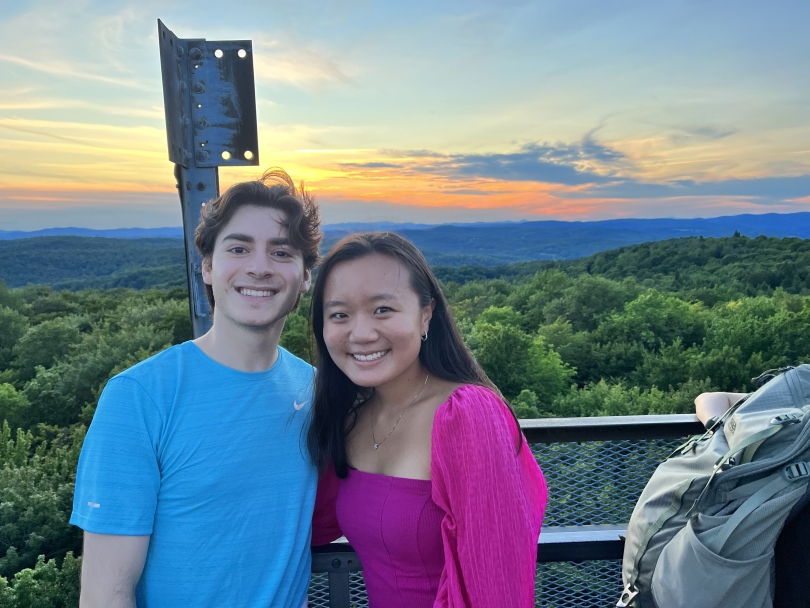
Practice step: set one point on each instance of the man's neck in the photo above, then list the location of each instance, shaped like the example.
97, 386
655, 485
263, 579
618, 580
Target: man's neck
241, 348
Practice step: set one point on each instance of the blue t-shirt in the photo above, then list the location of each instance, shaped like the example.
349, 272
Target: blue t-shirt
212, 462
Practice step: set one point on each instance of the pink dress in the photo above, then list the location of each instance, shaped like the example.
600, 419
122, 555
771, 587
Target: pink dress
466, 538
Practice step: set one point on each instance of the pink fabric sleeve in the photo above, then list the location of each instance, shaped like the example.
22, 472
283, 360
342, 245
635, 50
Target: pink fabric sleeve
325, 527
493, 498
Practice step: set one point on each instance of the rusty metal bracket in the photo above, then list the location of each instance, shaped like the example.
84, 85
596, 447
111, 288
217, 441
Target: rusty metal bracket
210, 104
210, 100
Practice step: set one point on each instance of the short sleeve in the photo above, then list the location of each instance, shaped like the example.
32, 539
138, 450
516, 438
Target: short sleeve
493, 495
118, 477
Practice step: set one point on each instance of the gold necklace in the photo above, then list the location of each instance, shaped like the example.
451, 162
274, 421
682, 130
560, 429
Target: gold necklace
415, 397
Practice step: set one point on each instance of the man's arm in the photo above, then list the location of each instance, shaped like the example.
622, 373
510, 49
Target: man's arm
714, 405
111, 568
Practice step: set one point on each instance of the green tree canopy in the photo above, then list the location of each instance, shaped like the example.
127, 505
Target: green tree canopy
13, 326
43, 344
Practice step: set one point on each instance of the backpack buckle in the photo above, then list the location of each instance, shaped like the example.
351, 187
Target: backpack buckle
628, 596
786, 419
797, 470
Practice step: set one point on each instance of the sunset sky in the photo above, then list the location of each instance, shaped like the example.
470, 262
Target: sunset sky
424, 112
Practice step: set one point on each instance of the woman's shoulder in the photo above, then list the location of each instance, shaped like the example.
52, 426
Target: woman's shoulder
472, 404
474, 425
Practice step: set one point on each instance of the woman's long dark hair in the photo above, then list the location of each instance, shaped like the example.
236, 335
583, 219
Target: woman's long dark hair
337, 399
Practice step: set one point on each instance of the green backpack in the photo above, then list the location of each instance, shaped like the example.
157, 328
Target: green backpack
704, 528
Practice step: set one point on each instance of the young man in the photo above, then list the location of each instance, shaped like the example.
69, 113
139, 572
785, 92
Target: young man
194, 485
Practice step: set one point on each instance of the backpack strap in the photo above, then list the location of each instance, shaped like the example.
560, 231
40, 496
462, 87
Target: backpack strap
718, 466
790, 474
746, 490
783, 419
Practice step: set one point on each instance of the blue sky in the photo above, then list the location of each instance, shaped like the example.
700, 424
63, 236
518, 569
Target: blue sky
421, 111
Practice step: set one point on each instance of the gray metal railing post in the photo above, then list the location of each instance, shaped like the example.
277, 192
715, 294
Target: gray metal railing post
338, 564
210, 104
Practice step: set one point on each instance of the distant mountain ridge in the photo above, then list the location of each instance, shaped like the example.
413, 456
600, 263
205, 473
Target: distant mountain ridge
134, 257
508, 242
769, 224
114, 233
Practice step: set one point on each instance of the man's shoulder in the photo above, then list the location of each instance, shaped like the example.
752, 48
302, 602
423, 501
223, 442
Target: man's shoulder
167, 361
294, 363
147, 387
163, 372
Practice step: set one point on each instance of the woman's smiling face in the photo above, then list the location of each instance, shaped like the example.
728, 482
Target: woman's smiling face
373, 321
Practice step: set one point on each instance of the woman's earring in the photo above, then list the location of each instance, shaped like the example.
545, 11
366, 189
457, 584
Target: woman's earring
424, 337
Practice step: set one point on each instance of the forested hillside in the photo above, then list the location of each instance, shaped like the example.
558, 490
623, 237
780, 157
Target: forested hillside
693, 266
79, 262
743, 265
639, 330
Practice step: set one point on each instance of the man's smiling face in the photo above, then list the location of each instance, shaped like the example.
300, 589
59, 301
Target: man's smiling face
255, 274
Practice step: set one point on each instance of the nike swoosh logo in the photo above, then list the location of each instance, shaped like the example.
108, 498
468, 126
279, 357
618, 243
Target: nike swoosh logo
297, 405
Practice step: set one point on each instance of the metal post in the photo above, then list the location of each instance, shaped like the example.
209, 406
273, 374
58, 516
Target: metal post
210, 102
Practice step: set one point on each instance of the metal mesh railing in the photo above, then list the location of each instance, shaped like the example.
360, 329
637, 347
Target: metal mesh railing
319, 591
591, 584
597, 482
594, 482
589, 482
318, 594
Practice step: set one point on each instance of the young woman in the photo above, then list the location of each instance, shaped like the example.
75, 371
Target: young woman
426, 470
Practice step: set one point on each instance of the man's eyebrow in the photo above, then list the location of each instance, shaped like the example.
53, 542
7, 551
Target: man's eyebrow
374, 298
246, 238
236, 236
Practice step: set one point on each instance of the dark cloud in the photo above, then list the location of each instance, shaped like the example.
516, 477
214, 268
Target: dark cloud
569, 165
521, 166
775, 188
550, 163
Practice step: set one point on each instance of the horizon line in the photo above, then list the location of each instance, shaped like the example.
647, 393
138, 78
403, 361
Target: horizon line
432, 225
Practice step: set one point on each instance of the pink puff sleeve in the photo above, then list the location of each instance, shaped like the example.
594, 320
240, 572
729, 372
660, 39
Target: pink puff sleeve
493, 497
325, 527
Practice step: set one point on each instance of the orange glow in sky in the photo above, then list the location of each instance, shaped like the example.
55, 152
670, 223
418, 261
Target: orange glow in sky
428, 112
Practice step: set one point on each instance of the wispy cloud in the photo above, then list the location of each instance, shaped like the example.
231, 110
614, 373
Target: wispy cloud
45, 103
64, 69
702, 133
46, 134
276, 60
